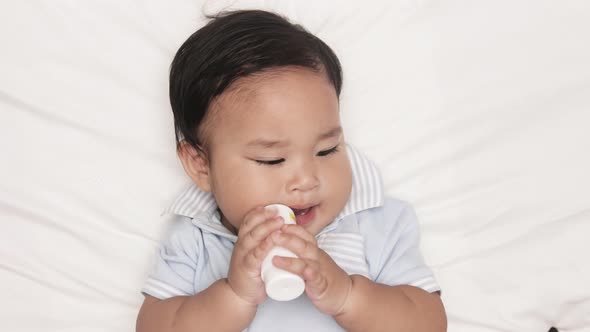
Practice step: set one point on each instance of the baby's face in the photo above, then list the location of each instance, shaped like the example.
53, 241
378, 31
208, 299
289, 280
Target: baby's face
277, 139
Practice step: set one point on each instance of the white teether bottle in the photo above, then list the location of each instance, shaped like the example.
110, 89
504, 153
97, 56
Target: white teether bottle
281, 285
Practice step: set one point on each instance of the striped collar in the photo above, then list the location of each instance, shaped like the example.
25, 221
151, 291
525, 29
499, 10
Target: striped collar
367, 192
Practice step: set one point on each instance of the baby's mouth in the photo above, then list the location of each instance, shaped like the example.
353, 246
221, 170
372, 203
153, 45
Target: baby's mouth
301, 212
304, 216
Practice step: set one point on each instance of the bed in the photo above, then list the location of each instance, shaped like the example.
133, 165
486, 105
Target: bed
478, 113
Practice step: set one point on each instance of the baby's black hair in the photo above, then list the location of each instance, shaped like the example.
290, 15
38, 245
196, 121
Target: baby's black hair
233, 45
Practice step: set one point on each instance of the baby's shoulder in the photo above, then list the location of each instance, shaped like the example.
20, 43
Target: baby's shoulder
182, 234
392, 218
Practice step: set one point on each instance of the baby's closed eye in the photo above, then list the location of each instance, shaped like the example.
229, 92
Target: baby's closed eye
277, 161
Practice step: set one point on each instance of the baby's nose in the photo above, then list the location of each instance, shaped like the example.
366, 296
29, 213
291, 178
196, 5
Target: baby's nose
304, 179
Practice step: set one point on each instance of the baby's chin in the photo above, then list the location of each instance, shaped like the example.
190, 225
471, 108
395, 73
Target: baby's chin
227, 224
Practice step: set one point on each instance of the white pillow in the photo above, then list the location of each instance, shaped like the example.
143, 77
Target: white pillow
477, 113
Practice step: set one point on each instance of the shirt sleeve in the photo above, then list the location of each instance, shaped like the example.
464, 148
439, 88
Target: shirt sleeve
397, 259
175, 263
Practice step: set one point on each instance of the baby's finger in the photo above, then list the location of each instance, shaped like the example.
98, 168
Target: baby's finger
300, 247
299, 231
255, 217
249, 240
263, 230
314, 281
254, 258
291, 264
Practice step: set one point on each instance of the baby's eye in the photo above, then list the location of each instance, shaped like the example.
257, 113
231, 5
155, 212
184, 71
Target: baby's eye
327, 152
270, 162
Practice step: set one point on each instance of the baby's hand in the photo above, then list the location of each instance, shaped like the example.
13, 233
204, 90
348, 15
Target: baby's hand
326, 284
250, 250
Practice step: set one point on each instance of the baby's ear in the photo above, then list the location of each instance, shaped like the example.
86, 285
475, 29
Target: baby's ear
196, 165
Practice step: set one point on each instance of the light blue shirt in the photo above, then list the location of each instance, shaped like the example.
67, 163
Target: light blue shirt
374, 236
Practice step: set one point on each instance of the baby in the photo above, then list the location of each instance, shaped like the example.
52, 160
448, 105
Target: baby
256, 110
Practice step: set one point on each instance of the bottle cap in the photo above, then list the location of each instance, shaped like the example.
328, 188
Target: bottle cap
285, 212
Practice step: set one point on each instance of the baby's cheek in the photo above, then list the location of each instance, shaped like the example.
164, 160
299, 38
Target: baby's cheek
341, 174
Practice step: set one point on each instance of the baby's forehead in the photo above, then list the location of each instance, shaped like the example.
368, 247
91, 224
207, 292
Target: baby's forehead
269, 101
265, 91
254, 87
267, 79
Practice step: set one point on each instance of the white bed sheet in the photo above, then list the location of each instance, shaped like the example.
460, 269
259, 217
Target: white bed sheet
477, 112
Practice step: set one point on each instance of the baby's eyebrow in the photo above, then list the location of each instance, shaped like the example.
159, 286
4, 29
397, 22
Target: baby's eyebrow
265, 143
269, 143
330, 133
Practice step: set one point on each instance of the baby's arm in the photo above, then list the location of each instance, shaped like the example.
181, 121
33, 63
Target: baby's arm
389, 303
355, 302
217, 308
377, 307
358, 303
228, 304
